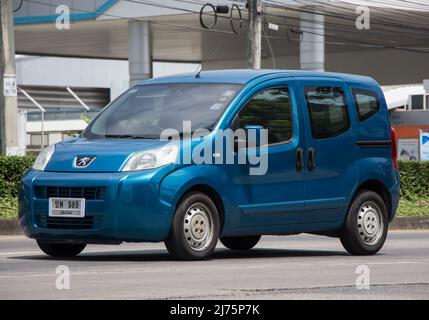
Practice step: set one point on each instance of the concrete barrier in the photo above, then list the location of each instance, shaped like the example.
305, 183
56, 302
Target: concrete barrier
410, 223
11, 226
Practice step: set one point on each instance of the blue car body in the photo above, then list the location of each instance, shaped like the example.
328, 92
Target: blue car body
139, 206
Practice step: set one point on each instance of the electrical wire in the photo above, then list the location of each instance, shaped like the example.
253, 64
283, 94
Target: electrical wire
375, 8
235, 6
201, 16
190, 11
341, 17
353, 44
382, 32
269, 45
19, 7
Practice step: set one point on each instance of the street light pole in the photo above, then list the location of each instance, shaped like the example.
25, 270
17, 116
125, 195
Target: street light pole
254, 34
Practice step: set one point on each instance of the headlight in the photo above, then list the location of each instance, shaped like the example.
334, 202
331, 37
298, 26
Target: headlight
151, 159
43, 158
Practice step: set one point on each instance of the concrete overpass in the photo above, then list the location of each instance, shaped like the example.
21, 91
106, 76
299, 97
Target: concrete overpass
323, 35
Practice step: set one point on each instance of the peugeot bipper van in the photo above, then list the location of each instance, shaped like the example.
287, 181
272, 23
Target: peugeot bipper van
229, 155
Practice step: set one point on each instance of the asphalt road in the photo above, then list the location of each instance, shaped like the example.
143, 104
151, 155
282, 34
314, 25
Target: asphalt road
293, 267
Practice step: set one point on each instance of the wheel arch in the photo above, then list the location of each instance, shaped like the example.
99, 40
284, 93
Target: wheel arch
378, 187
212, 194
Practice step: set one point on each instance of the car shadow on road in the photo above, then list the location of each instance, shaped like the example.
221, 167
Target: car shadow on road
162, 255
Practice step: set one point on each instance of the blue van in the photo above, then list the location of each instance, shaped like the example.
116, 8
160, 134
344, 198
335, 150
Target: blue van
329, 168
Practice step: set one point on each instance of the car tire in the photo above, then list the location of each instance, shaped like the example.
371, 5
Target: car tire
366, 226
61, 250
195, 228
240, 243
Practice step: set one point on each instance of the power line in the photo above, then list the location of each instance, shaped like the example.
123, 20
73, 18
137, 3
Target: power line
382, 32
350, 29
353, 44
18, 8
150, 3
417, 3
385, 9
342, 17
401, 5
269, 46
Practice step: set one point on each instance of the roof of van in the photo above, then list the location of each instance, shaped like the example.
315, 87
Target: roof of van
243, 76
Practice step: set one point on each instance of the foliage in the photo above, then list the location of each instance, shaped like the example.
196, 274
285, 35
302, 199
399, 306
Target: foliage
414, 179
11, 170
414, 185
417, 207
8, 208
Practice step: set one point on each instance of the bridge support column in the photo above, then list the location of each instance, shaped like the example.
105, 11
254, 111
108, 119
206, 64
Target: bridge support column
139, 51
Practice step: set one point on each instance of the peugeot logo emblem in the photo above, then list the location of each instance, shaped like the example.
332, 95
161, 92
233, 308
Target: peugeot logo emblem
82, 161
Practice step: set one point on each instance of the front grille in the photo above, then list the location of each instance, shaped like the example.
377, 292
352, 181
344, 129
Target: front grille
90, 222
93, 219
89, 193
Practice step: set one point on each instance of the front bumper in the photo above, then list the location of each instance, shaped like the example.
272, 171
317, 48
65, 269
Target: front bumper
129, 209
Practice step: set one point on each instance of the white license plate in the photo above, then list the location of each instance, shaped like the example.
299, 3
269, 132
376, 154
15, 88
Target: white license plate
67, 207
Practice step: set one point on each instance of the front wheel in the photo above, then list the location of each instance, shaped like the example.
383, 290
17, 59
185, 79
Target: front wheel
61, 250
365, 229
195, 228
240, 243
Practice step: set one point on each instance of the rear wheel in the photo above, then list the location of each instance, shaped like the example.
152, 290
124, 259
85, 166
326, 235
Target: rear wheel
365, 229
195, 228
240, 243
61, 250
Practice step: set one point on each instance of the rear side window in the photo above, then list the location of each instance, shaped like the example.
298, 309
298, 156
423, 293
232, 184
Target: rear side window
328, 111
367, 103
270, 109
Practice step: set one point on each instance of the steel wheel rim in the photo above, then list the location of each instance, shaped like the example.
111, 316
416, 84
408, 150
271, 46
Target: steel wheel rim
198, 227
370, 223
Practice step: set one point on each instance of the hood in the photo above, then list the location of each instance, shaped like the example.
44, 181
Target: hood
109, 154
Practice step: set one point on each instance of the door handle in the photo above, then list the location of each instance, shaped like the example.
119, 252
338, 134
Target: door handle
299, 159
311, 163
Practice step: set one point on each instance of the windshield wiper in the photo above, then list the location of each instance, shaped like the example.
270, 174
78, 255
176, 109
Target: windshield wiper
118, 136
144, 137
128, 136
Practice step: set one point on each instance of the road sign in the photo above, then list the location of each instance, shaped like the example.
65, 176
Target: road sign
9, 85
424, 145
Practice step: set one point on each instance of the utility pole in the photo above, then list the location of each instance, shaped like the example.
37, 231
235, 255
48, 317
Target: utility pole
8, 92
254, 34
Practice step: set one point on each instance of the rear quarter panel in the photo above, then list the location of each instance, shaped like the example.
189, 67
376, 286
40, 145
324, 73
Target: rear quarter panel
375, 162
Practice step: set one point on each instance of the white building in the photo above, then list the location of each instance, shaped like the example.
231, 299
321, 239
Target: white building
52, 81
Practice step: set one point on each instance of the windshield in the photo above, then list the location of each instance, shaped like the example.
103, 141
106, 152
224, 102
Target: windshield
144, 111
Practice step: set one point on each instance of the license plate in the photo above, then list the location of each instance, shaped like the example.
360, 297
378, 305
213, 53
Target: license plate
67, 207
